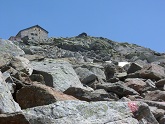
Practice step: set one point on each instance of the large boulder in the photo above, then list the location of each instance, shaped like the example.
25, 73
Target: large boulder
160, 83
134, 67
81, 112
5, 59
119, 88
57, 73
22, 64
136, 84
152, 71
85, 75
7, 103
97, 95
7, 46
38, 94
156, 95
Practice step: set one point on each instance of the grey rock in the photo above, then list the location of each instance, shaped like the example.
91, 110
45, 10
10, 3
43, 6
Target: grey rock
70, 112
134, 67
136, 84
160, 83
96, 95
85, 75
5, 59
156, 95
162, 120
119, 88
98, 72
57, 73
152, 71
7, 103
7, 46
22, 64
158, 113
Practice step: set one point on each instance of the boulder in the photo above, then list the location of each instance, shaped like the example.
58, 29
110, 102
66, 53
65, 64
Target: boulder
81, 112
162, 120
34, 57
109, 71
5, 59
38, 95
150, 85
156, 95
13, 118
160, 83
98, 72
134, 67
119, 88
85, 75
22, 64
136, 84
57, 73
159, 105
96, 95
158, 113
7, 103
8, 47
152, 71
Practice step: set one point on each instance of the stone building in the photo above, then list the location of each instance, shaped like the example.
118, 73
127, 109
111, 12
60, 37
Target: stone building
35, 32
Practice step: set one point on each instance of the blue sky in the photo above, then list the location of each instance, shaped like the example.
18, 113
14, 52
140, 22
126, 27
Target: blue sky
134, 21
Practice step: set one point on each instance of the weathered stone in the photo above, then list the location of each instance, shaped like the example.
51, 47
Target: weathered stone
8, 47
150, 85
38, 78
22, 64
134, 67
13, 118
94, 112
121, 75
159, 105
156, 95
158, 113
109, 71
85, 75
57, 73
98, 72
38, 94
5, 59
152, 71
162, 120
34, 57
119, 88
7, 103
136, 84
97, 95
160, 83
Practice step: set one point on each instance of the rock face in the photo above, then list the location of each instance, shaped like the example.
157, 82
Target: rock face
7, 46
82, 79
58, 74
94, 112
7, 103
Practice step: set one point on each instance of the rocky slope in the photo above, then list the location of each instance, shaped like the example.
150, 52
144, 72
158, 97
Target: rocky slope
83, 80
